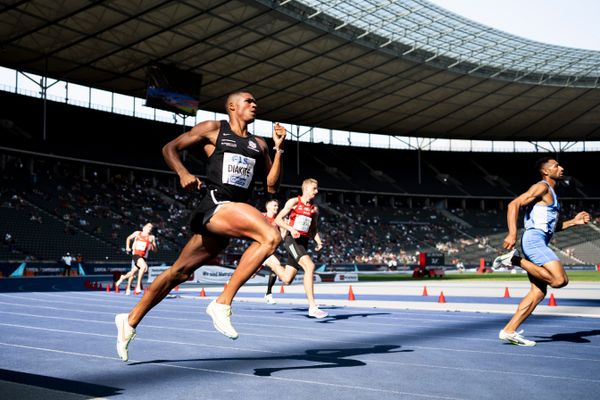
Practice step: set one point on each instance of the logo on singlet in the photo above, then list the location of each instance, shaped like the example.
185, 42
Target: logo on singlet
228, 143
252, 146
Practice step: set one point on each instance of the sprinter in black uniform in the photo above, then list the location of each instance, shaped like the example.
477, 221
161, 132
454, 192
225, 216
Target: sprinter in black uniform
236, 159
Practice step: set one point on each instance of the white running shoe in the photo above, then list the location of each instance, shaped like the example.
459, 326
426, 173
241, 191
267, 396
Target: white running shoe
269, 299
221, 317
125, 335
315, 312
505, 260
515, 338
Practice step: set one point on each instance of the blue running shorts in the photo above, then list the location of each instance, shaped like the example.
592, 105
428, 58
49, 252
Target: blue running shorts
534, 244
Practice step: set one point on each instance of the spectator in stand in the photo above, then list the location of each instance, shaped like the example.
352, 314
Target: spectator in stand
9, 241
67, 261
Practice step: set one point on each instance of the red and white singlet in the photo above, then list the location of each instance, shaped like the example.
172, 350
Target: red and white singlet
271, 220
141, 245
301, 217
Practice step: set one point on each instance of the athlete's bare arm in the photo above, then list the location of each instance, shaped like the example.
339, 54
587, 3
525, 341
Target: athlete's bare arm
285, 211
581, 218
314, 232
536, 191
153, 245
129, 239
273, 168
205, 132
318, 241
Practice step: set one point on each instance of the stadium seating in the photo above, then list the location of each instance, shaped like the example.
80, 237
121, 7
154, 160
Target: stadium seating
379, 206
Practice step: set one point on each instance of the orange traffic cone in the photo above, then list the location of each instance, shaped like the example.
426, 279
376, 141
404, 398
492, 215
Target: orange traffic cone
117, 290
351, 294
506, 293
425, 291
281, 291
552, 301
442, 299
202, 293
107, 288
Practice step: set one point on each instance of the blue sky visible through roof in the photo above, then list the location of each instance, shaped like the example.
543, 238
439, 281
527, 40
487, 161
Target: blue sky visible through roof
571, 23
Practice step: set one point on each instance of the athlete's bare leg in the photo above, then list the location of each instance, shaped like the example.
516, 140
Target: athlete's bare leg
125, 276
285, 274
309, 285
129, 283
536, 294
197, 251
232, 220
143, 267
129, 276
243, 220
552, 273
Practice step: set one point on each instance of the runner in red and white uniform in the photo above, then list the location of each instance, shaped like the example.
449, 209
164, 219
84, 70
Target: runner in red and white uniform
301, 226
143, 242
272, 207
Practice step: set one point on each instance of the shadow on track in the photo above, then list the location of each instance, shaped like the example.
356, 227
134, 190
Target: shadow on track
573, 337
324, 358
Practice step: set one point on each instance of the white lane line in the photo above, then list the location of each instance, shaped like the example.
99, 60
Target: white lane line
317, 340
200, 317
179, 308
217, 371
263, 326
396, 363
138, 339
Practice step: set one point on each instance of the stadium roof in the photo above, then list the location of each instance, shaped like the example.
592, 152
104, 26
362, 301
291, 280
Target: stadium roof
395, 67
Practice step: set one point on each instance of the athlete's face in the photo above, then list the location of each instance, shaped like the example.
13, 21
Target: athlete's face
311, 190
147, 229
272, 207
245, 107
554, 170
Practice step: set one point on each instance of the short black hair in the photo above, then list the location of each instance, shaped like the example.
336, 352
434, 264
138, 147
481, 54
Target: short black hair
541, 163
231, 96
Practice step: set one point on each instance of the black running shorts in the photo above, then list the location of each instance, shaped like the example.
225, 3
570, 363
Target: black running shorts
296, 249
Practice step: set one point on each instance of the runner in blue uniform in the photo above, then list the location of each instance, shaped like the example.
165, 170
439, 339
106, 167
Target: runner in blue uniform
542, 265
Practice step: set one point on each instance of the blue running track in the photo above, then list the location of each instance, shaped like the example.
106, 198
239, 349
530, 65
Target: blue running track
61, 345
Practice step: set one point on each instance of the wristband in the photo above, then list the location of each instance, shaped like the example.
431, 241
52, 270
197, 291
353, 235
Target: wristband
278, 150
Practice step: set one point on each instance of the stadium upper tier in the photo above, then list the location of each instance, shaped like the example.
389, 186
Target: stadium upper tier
398, 68
430, 34
118, 139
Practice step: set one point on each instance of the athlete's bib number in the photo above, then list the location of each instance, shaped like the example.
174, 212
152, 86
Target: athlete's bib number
302, 223
238, 170
140, 245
